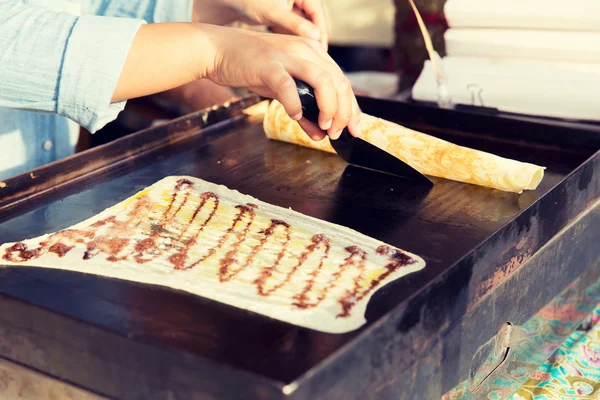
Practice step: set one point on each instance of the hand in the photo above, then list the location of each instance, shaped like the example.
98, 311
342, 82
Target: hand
165, 56
304, 18
265, 63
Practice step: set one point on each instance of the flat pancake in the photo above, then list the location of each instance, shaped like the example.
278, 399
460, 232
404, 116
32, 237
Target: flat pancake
205, 239
427, 154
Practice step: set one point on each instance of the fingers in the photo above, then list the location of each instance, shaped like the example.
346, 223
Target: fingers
298, 58
348, 112
354, 125
335, 98
322, 81
345, 109
280, 82
311, 130
336, 101
315, 12
296, 24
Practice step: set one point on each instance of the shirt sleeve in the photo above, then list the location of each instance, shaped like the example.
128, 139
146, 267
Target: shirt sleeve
58, 63
149, 10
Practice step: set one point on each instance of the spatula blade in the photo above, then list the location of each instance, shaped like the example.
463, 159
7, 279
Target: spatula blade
357, 151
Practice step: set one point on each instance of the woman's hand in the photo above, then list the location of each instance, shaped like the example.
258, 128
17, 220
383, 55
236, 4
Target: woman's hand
265, 63
304, 18
165, 56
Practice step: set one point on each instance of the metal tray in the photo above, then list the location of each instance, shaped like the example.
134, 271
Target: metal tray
125, 340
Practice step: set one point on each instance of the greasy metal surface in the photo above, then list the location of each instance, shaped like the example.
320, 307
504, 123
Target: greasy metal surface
472, 238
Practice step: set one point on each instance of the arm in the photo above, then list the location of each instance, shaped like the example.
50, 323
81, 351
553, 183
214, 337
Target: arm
161, 58
83, 67
168, 55
306, 19
195, 95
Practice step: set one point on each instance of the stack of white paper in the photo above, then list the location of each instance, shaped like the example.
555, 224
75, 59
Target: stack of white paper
575, 15
569, 46
547, 89
536, 57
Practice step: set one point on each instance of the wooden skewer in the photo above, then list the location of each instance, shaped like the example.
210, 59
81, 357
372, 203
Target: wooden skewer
427, 38
436, 61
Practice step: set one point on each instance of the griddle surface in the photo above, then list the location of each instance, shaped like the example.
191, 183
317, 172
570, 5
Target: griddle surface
440, 225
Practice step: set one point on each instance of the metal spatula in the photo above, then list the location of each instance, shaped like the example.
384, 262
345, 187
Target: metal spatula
357, 151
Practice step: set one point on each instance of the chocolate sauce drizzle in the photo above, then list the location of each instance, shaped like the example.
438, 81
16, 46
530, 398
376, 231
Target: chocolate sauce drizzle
115, 239
268, 271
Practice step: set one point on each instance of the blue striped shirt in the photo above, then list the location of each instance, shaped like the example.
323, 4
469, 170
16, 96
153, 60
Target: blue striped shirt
59, 65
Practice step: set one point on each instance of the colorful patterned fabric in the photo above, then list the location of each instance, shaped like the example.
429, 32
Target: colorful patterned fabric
573, 369
572, 372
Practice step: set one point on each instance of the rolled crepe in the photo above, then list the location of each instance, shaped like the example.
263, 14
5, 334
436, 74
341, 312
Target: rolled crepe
427, 154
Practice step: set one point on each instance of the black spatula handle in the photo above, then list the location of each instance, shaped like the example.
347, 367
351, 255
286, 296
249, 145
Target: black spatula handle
310, 109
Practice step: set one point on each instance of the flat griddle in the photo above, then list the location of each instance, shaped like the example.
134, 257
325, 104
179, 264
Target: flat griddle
126, 340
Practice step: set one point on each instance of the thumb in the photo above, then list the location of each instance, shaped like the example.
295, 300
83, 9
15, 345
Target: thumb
296, 24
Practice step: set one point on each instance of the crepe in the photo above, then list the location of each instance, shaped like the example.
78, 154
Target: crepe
205, 239
427, 154
256, 113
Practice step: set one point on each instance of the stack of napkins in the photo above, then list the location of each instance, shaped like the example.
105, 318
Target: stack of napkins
566, 15
535, 57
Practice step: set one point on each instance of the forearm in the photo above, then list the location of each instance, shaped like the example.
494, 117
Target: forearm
162, 57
